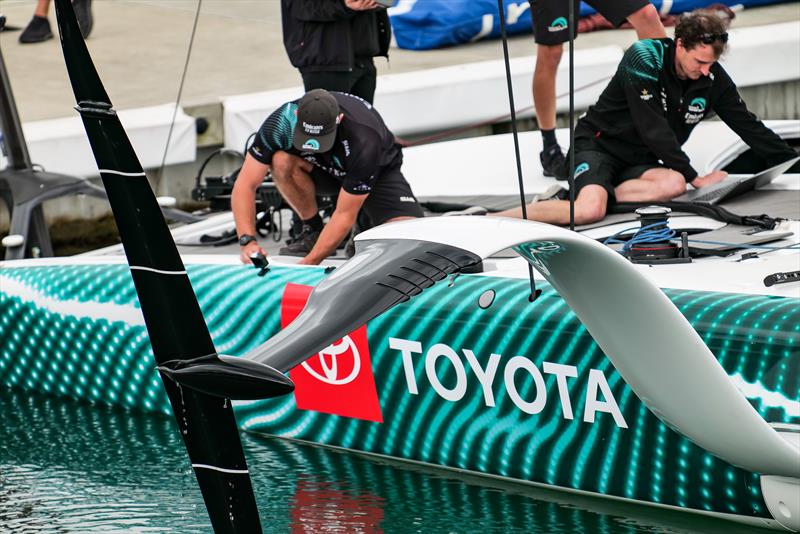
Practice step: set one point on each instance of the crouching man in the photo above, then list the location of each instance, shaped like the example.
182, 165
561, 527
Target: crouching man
324, 137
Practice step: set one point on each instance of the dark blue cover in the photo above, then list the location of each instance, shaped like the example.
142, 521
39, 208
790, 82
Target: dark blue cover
426, 24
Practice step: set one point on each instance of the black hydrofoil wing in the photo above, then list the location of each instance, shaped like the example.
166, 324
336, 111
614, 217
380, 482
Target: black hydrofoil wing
172, 315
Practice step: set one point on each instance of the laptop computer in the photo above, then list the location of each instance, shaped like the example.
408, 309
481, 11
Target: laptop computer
735, 185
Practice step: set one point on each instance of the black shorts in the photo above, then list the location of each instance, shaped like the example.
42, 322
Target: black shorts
390, 197
595, 166
549, 17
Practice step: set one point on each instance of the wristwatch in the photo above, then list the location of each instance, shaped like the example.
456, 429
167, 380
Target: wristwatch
244, 239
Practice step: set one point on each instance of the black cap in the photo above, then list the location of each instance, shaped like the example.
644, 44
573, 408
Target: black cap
317, 119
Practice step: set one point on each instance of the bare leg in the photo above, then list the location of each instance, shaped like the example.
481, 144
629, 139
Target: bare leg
401, 218
654, 185
42, 8
293, 180
544, 84
590, 206
647, 23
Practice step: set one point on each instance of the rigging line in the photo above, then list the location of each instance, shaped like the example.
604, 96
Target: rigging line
793, 245
571, 169
501, 16
180, 89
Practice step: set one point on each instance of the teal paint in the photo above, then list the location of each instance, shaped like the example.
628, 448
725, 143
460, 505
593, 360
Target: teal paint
45, 347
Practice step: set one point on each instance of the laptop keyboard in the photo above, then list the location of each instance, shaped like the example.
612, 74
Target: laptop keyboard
717, 193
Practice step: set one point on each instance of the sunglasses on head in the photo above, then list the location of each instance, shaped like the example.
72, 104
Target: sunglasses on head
709, 38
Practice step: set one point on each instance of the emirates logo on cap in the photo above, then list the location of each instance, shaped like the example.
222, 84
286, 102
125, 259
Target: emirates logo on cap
312, 129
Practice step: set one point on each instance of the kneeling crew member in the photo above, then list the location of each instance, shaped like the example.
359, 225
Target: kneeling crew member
628, 145
324, 137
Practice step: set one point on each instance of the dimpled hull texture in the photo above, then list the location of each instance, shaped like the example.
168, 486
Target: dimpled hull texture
76, 331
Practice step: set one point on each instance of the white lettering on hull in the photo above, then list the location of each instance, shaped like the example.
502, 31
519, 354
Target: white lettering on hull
598, 396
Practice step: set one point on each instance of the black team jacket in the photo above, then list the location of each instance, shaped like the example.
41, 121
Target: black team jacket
324, 35
646, 112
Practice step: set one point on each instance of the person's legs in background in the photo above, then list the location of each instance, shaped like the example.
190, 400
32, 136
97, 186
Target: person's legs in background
364, 79
361, 82
38, 28
550, 31
328, 80
647, 23
83, 12
548, 58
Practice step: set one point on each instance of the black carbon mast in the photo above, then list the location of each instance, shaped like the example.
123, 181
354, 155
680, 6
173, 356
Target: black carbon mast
172, 315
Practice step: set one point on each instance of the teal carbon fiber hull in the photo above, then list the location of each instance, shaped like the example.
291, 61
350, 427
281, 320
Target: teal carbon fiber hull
517, 389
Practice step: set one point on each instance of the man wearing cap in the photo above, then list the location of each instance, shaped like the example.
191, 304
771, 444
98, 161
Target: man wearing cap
628, 144
324, 137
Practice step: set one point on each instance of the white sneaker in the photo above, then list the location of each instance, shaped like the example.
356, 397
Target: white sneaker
472, 210
548, 194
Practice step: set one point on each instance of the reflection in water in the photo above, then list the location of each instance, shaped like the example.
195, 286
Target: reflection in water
69, 467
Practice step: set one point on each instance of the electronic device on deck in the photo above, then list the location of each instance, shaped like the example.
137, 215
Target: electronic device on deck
735, 185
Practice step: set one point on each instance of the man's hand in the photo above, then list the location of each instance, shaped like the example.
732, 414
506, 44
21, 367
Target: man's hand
709, 179
308, 261
250, 249
360, 5
342, 220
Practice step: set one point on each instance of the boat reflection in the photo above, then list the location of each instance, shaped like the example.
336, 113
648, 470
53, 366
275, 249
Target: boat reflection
72, 467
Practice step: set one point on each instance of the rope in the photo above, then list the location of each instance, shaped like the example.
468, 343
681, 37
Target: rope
533, 296
658, 232
180, 89
571, 170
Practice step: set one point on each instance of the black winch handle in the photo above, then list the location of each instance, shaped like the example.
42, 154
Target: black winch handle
260, 262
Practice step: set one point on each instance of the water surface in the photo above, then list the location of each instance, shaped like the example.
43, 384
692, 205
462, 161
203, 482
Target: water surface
70, 467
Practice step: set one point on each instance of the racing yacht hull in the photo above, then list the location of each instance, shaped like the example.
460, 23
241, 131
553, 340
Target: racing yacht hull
468, 375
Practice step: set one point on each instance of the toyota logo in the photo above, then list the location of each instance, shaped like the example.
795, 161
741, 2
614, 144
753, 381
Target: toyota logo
329, 363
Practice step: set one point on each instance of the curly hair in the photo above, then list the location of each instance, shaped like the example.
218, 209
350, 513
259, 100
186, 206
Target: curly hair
693, 26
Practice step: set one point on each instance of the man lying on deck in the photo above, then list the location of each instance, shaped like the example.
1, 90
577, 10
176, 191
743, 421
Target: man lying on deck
628, 145
324, 137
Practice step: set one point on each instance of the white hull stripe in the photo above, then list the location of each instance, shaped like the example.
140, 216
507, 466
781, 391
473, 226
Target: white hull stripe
159, 271
109, 171
221, 470
95, 311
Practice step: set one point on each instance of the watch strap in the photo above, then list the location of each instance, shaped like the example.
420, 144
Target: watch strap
246, 239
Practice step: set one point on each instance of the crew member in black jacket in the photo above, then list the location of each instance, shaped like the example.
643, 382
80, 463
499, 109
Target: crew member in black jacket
628, 145
332, 43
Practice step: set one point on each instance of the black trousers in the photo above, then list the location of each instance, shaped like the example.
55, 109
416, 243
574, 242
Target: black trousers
359, 82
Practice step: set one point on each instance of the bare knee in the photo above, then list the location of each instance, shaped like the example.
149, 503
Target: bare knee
281, 165
548, 57
284, 166
671, 185
590, 210
647, 23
